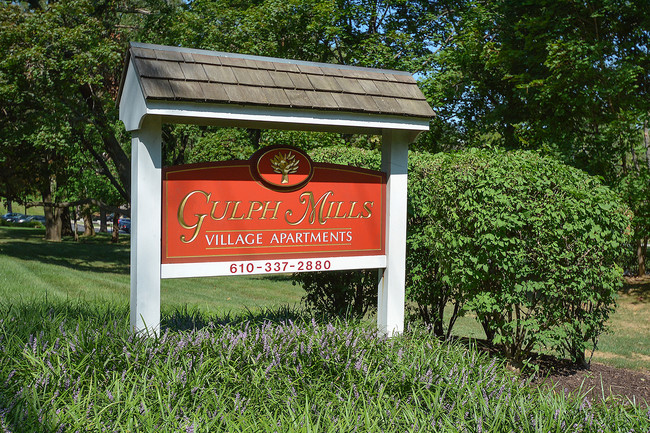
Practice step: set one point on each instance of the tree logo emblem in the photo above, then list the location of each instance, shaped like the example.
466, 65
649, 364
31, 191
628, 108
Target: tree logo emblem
284, 164
282, 168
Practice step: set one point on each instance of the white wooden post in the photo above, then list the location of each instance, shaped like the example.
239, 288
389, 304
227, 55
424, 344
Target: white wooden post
146, 164
390, 299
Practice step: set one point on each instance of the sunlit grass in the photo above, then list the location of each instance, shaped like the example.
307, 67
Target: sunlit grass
93, 268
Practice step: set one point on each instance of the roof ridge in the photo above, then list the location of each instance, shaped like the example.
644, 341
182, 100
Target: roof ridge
181, 50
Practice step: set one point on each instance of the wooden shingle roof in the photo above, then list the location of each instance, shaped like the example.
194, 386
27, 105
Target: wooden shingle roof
181, 74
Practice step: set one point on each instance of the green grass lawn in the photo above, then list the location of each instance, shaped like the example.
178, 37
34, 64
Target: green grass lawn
94, 269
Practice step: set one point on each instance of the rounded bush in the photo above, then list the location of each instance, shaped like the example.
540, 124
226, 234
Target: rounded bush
528, 244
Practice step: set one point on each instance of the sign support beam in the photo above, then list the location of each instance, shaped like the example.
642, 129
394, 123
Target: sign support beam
392, 279
146, 172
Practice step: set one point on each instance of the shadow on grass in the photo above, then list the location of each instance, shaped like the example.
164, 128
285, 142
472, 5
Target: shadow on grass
95, 254
638, 287
49, 318
185, 319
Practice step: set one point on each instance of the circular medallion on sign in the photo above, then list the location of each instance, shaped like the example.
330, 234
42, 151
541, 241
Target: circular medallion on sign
282, 168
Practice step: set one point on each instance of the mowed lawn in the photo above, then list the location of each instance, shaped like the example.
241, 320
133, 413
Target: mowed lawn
94, 269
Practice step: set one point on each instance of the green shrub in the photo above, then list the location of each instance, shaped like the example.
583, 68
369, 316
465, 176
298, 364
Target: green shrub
528, 244
349, 294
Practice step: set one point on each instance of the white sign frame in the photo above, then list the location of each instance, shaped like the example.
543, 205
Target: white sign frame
144, 118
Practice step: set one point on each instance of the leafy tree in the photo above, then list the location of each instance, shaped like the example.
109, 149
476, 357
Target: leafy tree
568, 77
59, 75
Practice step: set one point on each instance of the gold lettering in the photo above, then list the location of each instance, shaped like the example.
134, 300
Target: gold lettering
307, 198
266, 209
366, 206
353, 203
234, 211
181, 216
214, 209
338, 208
252, 209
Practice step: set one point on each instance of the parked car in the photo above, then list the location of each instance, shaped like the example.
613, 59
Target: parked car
23, 219
12, 217
37, 218
124, 224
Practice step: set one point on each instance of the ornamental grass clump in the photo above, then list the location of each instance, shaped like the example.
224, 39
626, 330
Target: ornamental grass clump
74, 367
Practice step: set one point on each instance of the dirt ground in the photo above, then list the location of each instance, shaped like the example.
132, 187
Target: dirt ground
600, 381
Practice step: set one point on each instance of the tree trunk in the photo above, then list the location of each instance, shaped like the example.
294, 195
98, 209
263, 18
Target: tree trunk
641, 250
75, 214
52, 218
66, 227
87, 215
646, 143
103, 228
115, 235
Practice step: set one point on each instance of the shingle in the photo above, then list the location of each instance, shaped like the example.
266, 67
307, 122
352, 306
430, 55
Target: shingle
250, 63
367, 103
194, 71
402, 78
286, 67
321, 82
255, 95
300, 81
369, 87
387, 88
157, 89
333, 71
260, 64
386, 105
307, 69
214, 92
411, 91
232, 61
235, 93
253, 77
276, 96
159, 69
281, 79
188, 90
349, 85
298, 98
322, 100
415, 108
347, 102
220, 74
204, 58
355, 73
244, 75
169, 55
147, 53
187, 57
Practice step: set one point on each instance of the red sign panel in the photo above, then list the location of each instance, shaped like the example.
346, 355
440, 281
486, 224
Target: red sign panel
277, 205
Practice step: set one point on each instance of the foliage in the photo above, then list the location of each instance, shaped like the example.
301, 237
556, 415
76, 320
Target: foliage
530, 244
73, 366
349, 294
568, 77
